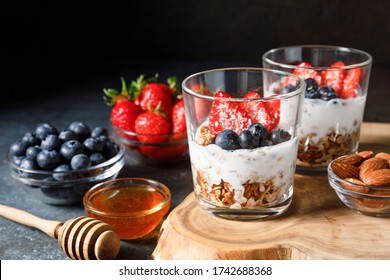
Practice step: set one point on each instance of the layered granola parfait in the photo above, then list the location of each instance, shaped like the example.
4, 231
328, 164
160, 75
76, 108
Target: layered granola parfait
243, 128
336, 90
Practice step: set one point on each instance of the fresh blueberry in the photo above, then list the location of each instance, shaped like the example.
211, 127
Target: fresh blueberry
48, 159
33, 151
81, 129
18, 148
228, 140
31, 138
97, 158
44, 129
28, 164
110, 150
279, 136
247, 140
17, 159
80, 161
63, 172
92, 145
104, 138
66, 135
99, 131
50, 142
266, 142
327, 93
311, 84
288, 88
258, 130
71, 148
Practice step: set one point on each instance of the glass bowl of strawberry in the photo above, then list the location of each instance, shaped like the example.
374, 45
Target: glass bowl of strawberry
243, 140
336, 90
148, 117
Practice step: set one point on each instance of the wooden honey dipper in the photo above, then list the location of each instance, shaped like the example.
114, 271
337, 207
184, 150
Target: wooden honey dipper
80, 238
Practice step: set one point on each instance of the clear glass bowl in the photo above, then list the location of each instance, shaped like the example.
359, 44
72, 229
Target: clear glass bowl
71, 189
168, 149
134, 207
368, 200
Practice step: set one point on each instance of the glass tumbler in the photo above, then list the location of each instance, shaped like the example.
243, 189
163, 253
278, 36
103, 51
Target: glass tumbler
336, 90
242, 127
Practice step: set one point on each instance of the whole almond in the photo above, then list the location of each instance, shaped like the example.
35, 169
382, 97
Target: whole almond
378, 178
356, 186
366, 154
353, 159
370, 165
344, 170
385, 156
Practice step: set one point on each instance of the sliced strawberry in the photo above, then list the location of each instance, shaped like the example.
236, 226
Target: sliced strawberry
304, 72
178, 117
273, 109
257, 110
351, 82
334, 77
227, 115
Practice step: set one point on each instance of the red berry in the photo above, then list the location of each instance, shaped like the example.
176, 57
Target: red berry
351, 82
259, 113
227, 115
124, 113
178, 117
152, 127
156, 95
334, 77
304, 72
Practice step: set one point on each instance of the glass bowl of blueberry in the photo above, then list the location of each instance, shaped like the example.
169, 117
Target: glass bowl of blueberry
59, 166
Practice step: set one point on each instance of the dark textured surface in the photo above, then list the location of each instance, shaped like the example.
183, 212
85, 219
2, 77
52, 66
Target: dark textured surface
58, 57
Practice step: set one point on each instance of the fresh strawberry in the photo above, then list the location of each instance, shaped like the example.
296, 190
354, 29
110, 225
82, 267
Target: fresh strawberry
227, 115
153, 127
124, 110
178, 117
273, 109
304, 72
149, 94
200, 88
334, 76
124, 113
351, 82
257, 110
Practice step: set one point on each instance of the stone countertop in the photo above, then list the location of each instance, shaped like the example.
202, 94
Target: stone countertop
72, 95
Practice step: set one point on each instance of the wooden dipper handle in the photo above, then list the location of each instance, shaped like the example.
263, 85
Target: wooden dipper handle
27, 219
80, 238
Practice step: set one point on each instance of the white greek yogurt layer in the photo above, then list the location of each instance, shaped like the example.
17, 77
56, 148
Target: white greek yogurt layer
342, 115
236, 167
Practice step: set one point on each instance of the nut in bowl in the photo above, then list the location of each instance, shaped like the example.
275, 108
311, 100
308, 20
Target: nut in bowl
134, 207
362, 182
148, 117
58, 167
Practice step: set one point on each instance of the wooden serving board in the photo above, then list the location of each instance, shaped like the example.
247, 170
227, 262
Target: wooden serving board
316, 226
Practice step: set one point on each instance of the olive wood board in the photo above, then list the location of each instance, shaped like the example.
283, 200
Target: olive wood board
316, 226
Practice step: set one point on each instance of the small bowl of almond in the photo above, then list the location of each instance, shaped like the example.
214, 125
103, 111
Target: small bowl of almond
362, 182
